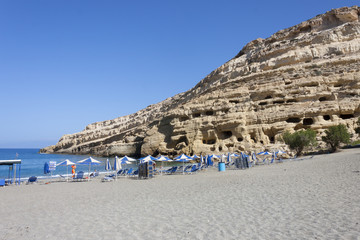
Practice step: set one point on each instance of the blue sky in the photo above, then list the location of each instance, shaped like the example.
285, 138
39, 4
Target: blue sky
68, 63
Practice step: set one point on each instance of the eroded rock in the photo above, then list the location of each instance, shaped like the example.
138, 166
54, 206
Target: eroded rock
306, 76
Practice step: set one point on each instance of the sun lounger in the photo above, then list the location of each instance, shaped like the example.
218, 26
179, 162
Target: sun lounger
171, 170
124, 171
79, 176
94, 174
107, 179
193, 169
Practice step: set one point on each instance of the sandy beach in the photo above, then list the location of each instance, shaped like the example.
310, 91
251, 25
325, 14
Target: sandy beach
316, 198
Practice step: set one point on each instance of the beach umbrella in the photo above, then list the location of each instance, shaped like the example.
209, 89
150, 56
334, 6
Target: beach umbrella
147, 159
107, 165
127, 159
265, 154
117, 166
163, 159
214, 156
222, 157
66, 163
253, 156
229, 157
280, 152
211, 157
183, 158
234, 155
201, 160
46, 168
90, 161
195, 157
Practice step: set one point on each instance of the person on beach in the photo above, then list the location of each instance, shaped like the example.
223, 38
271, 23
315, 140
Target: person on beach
73, 167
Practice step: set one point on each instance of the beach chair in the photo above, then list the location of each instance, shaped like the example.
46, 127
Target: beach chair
124, 171
32, 179
187, 167
193, 169
135, 173
108, 178
2, 182
79, 176
129, 172
94, 174
171, 170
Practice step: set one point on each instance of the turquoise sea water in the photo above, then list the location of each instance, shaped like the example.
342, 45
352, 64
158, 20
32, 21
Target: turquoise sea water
32, 162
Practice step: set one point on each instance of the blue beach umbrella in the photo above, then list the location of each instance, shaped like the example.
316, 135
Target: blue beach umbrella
46, 168
147, 159
107, 165
117, 164
183, 158
265, 154
229, 157
195, 157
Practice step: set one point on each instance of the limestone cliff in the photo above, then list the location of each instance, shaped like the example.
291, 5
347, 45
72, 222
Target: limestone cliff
306, 76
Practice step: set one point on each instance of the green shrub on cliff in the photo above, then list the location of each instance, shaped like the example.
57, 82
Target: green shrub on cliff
299, 140
357, 130
336, 135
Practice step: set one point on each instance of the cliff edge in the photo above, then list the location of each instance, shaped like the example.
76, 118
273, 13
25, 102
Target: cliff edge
305, 76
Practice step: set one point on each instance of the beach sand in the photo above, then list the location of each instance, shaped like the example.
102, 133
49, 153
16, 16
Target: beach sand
316, 198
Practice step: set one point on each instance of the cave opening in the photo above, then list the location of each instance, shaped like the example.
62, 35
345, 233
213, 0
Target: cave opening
346, 116
308, 121
226, 134
293, 120
195, 115
326, 117
209, 113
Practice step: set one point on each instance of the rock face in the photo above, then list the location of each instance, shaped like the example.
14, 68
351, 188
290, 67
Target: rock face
306, 76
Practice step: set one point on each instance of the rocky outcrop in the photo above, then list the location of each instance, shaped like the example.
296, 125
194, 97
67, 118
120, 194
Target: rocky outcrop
306, 76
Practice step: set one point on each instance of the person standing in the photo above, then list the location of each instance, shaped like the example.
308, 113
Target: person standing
73, 167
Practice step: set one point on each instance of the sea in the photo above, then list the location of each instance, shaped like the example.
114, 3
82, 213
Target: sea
32, 163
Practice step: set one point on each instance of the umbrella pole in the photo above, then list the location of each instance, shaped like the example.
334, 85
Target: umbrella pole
183, 167
66, 172
89, 172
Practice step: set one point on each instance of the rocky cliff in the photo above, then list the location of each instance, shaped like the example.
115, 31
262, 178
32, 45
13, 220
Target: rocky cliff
306, 76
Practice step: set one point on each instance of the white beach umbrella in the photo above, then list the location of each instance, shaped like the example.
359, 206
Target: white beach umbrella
66, 163
163, 159
117, 166
90, 161
127, 159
